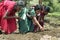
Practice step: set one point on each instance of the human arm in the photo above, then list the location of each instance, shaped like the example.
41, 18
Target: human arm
6, 16
35, 20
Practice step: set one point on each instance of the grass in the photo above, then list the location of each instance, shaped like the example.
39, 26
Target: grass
54, 14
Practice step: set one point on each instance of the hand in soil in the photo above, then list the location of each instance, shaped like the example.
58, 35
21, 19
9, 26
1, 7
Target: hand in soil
42, 29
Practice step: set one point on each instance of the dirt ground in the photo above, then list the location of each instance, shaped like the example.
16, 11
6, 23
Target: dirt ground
51, 32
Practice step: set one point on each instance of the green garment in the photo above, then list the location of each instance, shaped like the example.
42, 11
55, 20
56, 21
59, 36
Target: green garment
26, 24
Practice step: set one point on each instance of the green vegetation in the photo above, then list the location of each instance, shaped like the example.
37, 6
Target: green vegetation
54, 14
53, 4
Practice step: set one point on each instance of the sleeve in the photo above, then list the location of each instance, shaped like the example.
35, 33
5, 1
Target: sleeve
32, 12
23, 13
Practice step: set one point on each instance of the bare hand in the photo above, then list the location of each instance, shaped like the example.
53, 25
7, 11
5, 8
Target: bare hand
42, 29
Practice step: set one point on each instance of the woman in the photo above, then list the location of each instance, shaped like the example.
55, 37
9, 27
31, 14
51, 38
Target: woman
41, 11
1, 9
8, 20
38, 9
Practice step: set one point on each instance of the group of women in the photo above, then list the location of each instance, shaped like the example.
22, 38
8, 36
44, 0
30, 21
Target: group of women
29, 19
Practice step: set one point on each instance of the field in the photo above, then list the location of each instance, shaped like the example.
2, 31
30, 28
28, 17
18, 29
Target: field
51, 32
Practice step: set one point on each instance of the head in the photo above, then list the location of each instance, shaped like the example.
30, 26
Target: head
46, 10
19, 5
38, 8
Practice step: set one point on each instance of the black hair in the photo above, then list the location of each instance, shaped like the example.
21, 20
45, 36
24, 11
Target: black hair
20, 3
38, 7
47, 8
